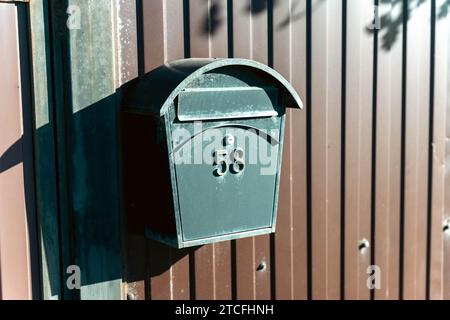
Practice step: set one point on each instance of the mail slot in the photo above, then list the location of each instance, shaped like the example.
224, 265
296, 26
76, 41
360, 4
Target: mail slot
202, 143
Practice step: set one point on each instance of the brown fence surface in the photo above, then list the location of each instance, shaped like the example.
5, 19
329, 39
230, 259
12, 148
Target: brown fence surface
367, 160
15, 256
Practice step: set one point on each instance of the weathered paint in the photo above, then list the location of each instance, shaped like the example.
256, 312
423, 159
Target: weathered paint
78, 92
92, 152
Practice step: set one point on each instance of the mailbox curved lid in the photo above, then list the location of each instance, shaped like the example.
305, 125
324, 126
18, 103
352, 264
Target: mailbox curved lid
156, 92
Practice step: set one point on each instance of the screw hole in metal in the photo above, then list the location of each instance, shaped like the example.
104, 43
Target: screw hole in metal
446, 227
262, 266
363, 245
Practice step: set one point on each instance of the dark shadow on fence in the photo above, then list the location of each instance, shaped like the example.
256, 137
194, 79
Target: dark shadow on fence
391, 23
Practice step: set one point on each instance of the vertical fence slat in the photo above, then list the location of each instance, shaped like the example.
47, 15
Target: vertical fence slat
127, 70
126, 41
259, 44
283, 249
160, 271
174, 30
388, 157
208, 23
164, 41
446, 248
416, 150
15, 268
180, 274
250, 42
326, 148
93, 188
209, 38
289, 54
245, 248
439, 159
199, 13
44, 146
205, 281
439, 266
221, 252
158, 264
298, 78
174, 50
222, 272
218, 32
213, 272
153, 34
358, 148
443, 31
242, 20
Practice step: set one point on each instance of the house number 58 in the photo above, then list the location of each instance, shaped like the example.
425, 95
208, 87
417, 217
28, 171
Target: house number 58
235, 164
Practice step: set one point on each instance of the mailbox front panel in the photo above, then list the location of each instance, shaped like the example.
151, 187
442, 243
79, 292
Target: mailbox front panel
226, 176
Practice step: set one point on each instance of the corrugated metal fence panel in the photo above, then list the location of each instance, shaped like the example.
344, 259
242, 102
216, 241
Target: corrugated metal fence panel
289, 58
250, 41
358, 148
388, 152
366, 129
326, 120
209, 38
163, 25
416, 137
440, 249
365, 160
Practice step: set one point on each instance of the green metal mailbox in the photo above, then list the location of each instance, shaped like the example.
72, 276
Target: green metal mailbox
202, 147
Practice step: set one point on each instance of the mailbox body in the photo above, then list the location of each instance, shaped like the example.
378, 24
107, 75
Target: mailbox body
202, 149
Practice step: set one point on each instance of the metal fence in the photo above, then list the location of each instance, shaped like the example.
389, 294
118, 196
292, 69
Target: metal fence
365, 171
366, 161
17, 221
